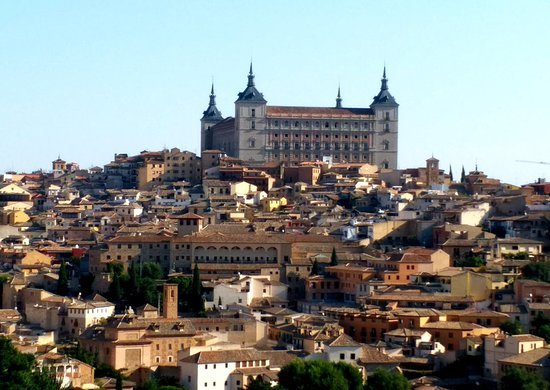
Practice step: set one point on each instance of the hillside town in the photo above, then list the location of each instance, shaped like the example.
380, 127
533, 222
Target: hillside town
212, 273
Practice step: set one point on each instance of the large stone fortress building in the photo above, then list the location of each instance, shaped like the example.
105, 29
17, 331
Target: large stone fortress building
262, 133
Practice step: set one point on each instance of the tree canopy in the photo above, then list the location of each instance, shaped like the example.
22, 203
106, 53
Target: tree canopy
387, 380
63, 281
319, 375
473, 261
258, 384
537, 271
18, 371
135, 287
512, 327
333, 257
516, 378
315, 268
196, 301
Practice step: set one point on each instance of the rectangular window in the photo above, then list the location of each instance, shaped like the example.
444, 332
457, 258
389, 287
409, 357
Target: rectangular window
253, 113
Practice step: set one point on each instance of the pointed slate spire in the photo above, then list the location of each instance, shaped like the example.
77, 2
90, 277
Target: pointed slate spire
212, 112
384, 86
384, 96
338, 99
251, 94
212, 96
250, 76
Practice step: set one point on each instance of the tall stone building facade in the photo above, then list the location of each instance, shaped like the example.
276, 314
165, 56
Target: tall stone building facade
260, 133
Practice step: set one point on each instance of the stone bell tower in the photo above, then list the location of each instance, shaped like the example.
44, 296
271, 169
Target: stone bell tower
170, 300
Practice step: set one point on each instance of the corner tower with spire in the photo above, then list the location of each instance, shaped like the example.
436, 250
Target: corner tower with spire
250, 122
210, 117
385, 129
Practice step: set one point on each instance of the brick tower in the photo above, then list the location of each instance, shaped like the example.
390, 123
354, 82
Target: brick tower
170, 300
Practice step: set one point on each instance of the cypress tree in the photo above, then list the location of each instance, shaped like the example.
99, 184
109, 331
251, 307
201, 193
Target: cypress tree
118, 385
451, 173
197, 303
115, 289
315, 268
63, 281
463, 175
333, 257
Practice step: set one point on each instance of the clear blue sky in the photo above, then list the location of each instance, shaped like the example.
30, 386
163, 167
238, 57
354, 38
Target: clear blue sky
87, 79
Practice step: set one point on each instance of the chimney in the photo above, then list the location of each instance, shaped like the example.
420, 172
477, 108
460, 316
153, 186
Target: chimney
170, 300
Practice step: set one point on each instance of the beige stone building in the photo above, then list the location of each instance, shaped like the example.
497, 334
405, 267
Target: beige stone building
69, 372
500, 346
260, 132
149, 174
181, 165
135, 343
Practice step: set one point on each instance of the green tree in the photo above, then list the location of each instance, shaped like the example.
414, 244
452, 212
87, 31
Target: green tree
115, 288
318, 374
383, 379
118, 385
451, 173
463, 176
18, 371
3, 279
540, 321
184, 292
82, 354
352, 375
544, 332
151, 270
333, 257
148, 291
86, 282
516, 378
472, 261
315, 268
258, 384
196, 299
512, 327
63, 281
537, 271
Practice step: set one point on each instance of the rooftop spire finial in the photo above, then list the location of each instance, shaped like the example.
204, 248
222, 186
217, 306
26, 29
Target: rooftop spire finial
338, 98
212, 96
250, 76
384, 80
